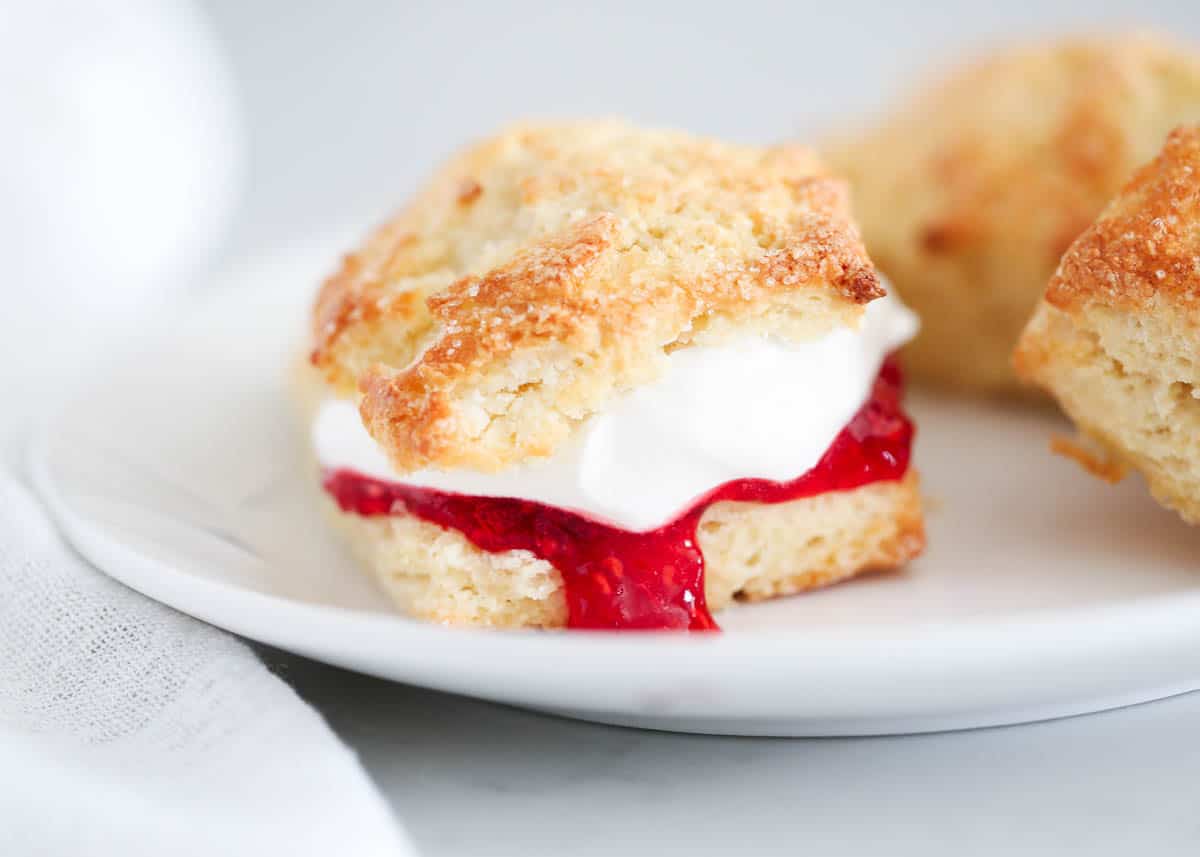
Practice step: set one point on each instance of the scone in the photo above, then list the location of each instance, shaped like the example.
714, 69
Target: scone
969, 194
1117, 336
601, 377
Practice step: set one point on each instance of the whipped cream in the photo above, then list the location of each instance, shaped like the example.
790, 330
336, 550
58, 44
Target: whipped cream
753, 408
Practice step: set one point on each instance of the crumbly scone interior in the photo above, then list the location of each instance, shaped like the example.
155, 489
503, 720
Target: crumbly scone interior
1125, 383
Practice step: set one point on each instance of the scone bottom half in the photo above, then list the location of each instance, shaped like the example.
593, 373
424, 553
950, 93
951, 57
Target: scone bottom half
1116, 338
547, 273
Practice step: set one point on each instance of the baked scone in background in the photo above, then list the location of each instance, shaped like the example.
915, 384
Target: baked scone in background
547, 270
969, 194
1116, 340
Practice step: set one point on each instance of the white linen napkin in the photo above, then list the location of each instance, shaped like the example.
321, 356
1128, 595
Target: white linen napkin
129, 729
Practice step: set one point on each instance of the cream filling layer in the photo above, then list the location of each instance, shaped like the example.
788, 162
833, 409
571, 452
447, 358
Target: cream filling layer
753, 408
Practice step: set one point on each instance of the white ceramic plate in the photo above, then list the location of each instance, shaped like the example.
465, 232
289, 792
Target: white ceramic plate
182, 472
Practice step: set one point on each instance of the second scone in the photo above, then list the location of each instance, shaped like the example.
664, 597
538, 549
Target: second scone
969, 194
1116, 338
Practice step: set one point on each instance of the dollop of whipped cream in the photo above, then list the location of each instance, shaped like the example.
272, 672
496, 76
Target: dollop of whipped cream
752, 408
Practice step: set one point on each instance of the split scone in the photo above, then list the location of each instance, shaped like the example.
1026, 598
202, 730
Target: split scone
969, 195
1117, 336
595, 376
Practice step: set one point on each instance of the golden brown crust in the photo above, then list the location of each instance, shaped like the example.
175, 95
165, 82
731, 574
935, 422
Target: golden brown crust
1145, 247
552, 266
971, 192
1098, 462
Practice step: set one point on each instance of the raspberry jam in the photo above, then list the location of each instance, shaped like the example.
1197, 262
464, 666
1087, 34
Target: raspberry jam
615, 578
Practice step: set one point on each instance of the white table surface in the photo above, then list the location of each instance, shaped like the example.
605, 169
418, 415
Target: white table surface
347, 105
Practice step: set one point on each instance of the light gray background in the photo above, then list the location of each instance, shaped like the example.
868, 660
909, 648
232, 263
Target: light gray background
348, 104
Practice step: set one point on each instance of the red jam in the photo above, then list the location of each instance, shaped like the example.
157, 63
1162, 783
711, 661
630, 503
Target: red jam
615, 578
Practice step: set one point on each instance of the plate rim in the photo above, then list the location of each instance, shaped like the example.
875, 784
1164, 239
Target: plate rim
1033, 642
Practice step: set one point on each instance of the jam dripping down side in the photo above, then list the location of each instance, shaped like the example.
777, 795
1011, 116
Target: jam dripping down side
618, 579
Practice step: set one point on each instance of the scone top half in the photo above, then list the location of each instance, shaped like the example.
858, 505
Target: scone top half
552, 267
970, 192
1132, 279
